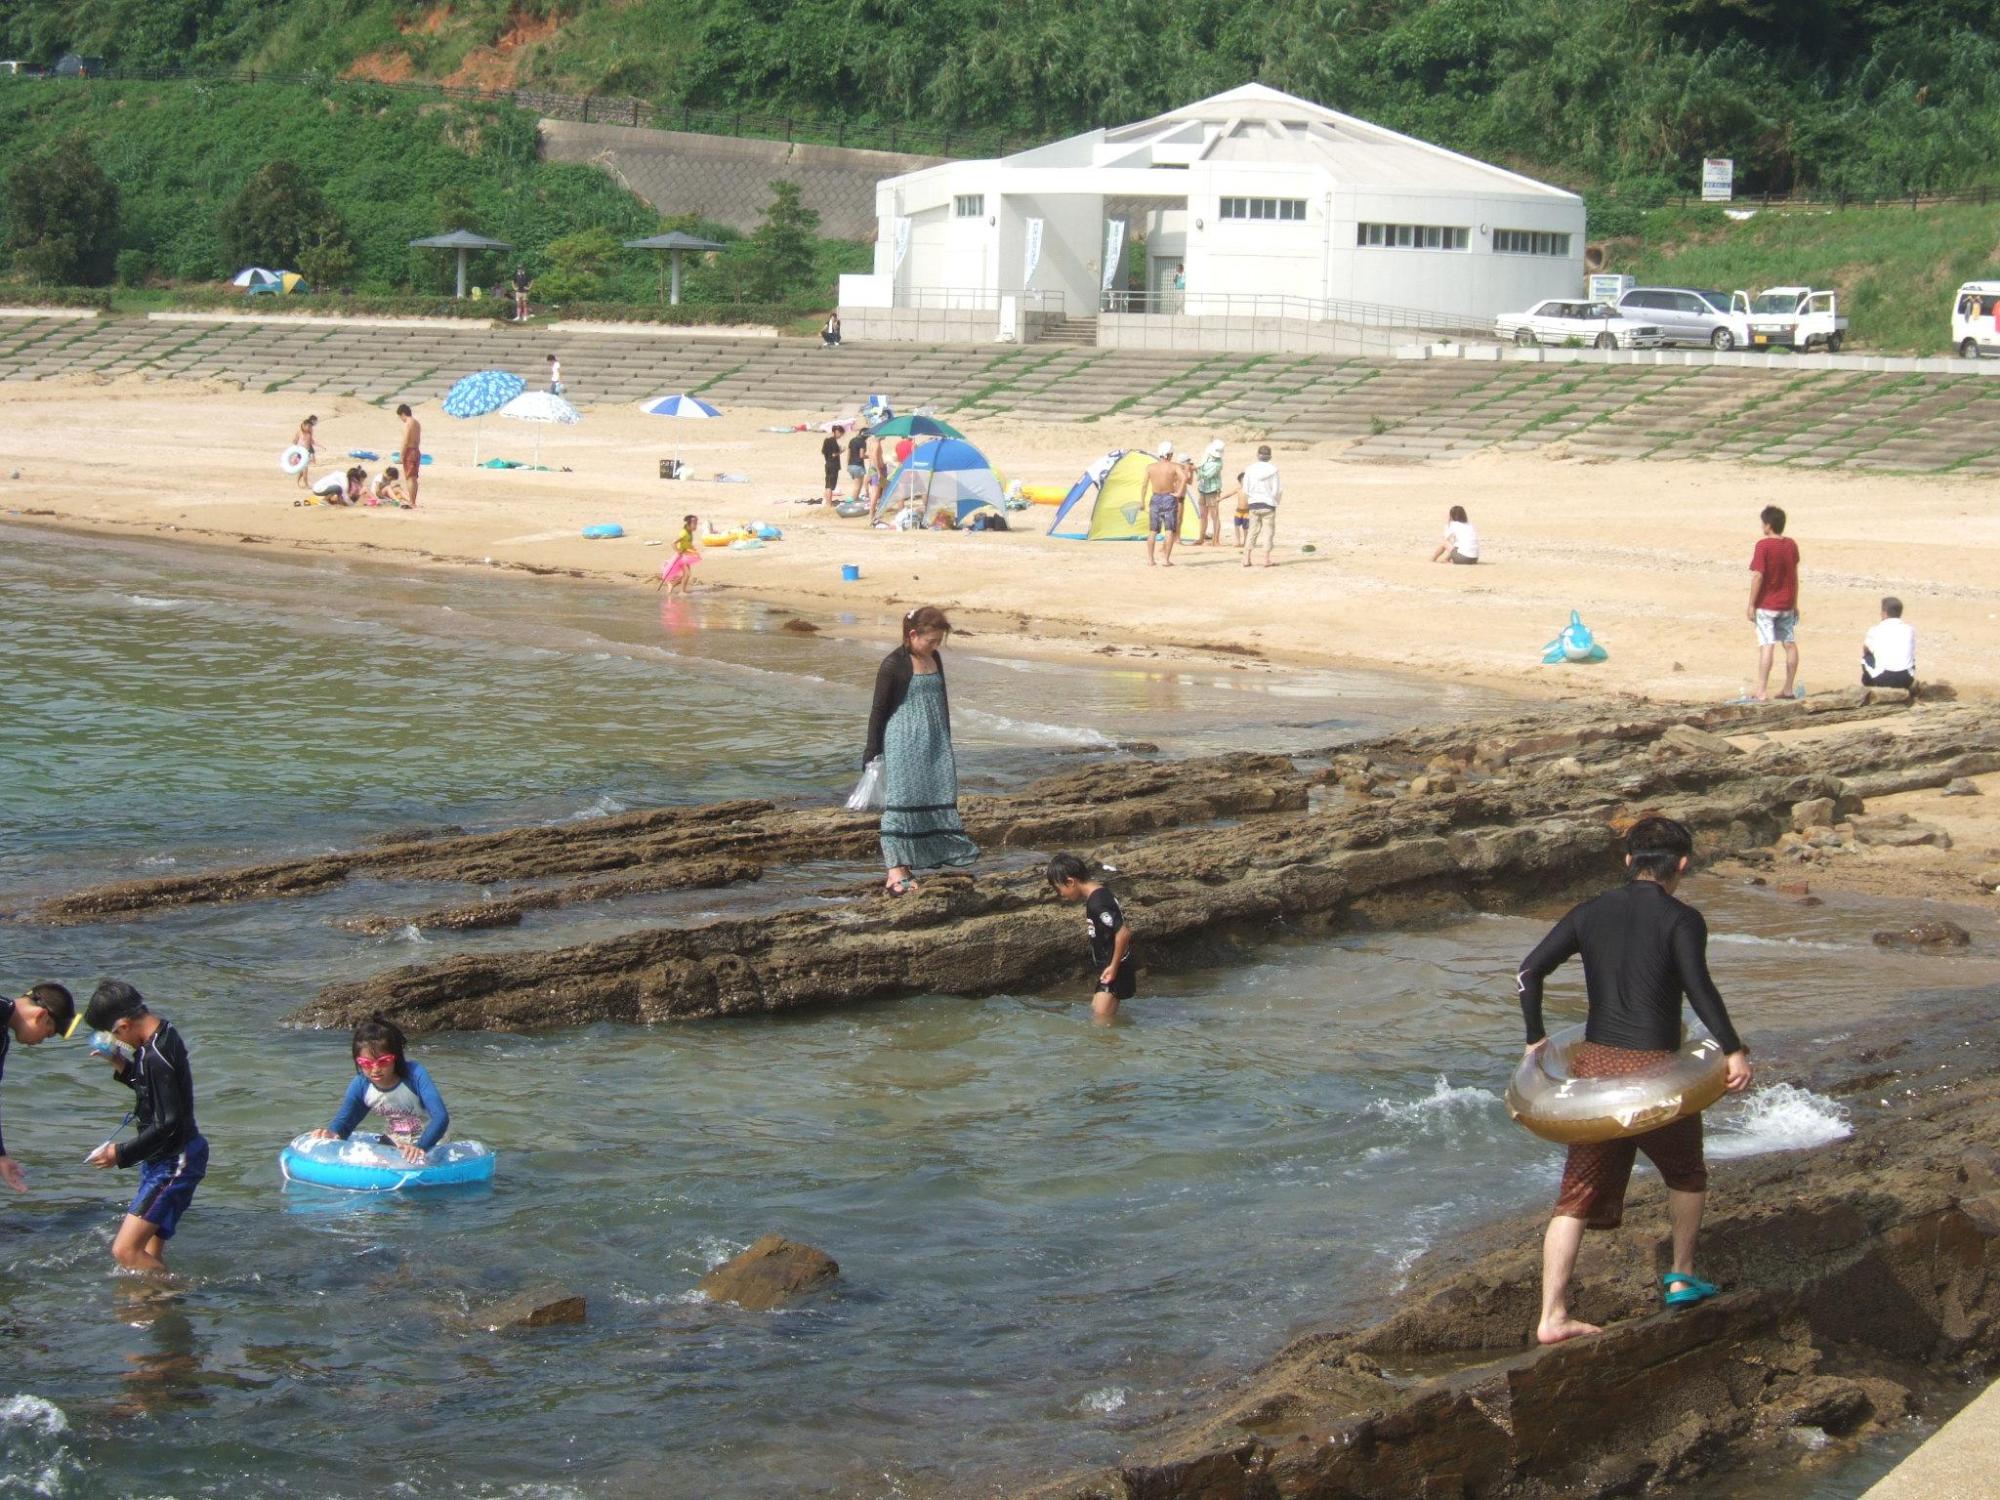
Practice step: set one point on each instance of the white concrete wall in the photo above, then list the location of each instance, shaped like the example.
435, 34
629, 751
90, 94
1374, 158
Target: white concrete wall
1072, 247
1474, 281
1270, 257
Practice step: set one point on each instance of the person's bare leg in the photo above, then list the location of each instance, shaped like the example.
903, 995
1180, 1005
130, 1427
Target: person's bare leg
1151, 537
1103, 1007
1559, 1247
1168, 543
1684, 1218
138, 1246
1791, 668
1764, 656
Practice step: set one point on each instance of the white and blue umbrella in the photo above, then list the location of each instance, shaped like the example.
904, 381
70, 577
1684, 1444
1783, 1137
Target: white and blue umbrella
541, 406
480, 393
679, 406
251, 276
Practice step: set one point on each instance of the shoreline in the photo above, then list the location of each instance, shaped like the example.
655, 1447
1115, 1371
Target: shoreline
1652, 554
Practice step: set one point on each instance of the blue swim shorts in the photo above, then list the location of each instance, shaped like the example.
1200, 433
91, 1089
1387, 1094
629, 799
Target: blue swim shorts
166, 1186
1165, 512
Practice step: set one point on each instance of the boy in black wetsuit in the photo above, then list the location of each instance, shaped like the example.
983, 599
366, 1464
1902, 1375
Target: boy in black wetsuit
169, 1150
46, 1010
1110, 938
1642, 950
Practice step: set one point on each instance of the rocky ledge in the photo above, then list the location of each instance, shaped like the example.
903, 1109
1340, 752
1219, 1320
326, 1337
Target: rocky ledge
1861, 1286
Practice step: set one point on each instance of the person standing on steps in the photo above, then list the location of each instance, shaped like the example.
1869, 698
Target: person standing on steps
522, 284
909, 730
1642, 949
1774, 601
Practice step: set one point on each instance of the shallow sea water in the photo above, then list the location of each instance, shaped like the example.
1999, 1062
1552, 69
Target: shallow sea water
1050, 1233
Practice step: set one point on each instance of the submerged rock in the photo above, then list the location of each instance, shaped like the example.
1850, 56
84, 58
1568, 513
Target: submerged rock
549, 1307
769, 1274
1932, 932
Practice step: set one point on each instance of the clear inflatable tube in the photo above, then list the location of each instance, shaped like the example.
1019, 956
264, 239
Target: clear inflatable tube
362, 1164
1582, 1111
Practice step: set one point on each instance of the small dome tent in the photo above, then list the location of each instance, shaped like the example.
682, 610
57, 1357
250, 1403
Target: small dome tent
948, 476
1108, 504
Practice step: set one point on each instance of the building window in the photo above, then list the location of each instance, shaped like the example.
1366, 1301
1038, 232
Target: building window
1290, 210
968, 206
1529, 242
1412, 236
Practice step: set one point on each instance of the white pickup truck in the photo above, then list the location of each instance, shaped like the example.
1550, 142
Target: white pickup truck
1797, 317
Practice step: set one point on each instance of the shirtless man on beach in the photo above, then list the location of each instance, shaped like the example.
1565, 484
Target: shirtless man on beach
1166, 487
1642, 950
413, 453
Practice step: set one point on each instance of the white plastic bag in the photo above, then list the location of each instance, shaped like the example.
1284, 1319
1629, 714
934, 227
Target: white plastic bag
867, 796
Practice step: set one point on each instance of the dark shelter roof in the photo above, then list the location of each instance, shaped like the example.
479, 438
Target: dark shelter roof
460, 239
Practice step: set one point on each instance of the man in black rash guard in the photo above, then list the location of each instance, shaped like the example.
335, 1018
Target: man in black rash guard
1642, 951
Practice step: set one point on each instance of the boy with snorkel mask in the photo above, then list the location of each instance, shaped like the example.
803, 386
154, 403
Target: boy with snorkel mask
46, 1010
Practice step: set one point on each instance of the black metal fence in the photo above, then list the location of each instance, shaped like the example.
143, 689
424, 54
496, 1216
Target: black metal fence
596, 109
1911, 198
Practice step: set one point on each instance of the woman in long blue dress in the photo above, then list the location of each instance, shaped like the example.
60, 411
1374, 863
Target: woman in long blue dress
909, 727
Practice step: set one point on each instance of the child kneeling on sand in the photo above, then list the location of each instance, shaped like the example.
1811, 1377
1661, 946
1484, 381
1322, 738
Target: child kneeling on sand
1110, 938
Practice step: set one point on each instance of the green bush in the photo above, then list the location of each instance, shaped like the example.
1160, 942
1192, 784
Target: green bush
277, 216
62, 215
580, 265
133, 265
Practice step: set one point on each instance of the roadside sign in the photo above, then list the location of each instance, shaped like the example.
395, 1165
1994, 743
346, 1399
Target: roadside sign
1718, 179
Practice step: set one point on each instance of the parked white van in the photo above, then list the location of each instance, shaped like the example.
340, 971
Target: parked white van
1975, 319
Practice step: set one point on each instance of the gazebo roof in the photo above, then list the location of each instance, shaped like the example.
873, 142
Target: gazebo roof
674, 241
460, 239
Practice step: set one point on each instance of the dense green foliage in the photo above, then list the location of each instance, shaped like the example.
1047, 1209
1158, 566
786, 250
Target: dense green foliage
386, 168
62, 220
1862, 96
278, 217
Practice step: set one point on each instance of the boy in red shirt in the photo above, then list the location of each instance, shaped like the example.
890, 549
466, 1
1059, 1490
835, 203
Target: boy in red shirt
1774, 601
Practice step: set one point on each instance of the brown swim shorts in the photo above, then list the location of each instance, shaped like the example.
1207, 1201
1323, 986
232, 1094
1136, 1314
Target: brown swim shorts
1595, 1176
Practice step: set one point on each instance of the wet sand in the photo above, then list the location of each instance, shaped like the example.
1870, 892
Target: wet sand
1654, 555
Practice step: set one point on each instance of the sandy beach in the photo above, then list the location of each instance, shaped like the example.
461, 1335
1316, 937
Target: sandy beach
1655, 556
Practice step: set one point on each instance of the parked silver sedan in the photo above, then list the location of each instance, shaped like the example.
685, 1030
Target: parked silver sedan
1593, 325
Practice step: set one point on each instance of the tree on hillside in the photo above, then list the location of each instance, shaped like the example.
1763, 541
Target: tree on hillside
782, 255
578, 265
277, 217
62, 216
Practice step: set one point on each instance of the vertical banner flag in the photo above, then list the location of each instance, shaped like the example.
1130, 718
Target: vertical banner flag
902, 244
1034, 252
1114, 248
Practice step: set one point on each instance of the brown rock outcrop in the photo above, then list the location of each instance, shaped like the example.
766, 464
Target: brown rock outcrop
769, 1274
1862, 1282
549, 1307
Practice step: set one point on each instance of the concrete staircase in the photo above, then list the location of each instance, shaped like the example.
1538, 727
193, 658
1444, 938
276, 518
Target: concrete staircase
1078, 333
1385, 411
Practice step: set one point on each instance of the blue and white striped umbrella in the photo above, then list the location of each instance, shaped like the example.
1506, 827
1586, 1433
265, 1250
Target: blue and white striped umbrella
679, 406
481, 393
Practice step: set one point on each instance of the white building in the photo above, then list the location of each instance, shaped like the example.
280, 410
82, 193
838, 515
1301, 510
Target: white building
1253, 202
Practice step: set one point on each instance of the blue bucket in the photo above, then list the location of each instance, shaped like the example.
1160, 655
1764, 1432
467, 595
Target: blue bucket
850, 572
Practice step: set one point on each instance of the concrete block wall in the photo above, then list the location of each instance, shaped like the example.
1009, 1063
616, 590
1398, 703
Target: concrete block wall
1246, 335
728, 179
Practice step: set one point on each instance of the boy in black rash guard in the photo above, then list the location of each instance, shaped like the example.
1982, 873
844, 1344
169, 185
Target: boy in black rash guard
1642, 950
1110, 938
169, 1150
46, 1010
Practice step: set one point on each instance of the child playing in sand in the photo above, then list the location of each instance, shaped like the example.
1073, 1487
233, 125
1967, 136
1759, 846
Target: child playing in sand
395, 1088
304, 439
678, 575
1110, 938
1242, 498
389, 488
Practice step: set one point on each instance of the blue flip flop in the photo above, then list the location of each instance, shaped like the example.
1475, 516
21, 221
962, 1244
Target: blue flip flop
1690, 1289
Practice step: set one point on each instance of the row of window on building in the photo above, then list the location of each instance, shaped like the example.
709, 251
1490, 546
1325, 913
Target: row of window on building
1458, 237
1368, 236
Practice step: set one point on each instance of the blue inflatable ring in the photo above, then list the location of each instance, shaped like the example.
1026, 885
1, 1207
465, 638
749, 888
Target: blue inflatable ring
361, 1164
599, 533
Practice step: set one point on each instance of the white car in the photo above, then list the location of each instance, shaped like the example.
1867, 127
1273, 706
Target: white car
1595, 325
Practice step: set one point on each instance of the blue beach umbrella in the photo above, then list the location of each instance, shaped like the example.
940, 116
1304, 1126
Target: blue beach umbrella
692, 407
479, 393
679, 406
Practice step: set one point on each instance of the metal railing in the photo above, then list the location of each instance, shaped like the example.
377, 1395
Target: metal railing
1193, 304
976, 299
1909, 197
595, 109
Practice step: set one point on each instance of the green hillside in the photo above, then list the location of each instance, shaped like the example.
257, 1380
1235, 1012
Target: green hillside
1862, 96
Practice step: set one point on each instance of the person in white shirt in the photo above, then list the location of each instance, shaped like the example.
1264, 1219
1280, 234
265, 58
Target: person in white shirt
1889, 650
555, 376
1262, 488
1461, 541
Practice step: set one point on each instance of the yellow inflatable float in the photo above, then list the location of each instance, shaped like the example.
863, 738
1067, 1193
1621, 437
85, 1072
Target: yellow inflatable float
1045, 494
1544, 1097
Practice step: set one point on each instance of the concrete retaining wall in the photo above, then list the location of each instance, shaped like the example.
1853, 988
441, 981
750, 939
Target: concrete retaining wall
1231, 335
935, 325
728, 179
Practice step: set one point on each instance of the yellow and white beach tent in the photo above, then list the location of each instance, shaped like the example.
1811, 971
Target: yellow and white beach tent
1108, 504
